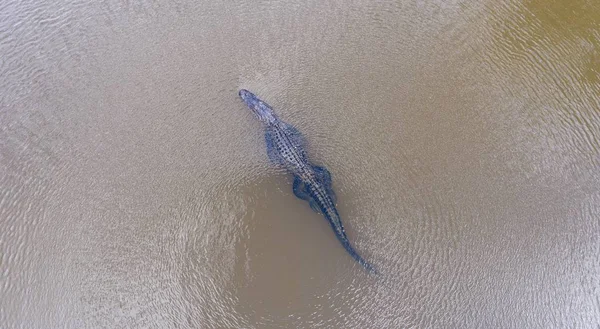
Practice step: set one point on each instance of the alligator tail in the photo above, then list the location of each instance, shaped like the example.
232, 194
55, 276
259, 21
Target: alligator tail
368, 266
353, 253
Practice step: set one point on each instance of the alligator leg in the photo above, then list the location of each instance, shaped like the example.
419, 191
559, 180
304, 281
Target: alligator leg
314, 206
300, 189
325, 176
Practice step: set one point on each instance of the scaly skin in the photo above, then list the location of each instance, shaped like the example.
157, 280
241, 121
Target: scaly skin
285, 146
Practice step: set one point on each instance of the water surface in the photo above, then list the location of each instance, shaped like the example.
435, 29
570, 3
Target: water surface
463, 139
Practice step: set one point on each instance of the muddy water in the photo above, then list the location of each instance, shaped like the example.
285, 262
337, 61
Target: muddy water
463, 139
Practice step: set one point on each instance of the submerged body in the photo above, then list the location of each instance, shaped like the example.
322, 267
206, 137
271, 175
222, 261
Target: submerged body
285, 146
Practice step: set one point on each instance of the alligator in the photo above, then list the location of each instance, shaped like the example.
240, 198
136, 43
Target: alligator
286, 147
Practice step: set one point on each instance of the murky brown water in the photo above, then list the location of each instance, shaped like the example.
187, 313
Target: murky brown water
463, 137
